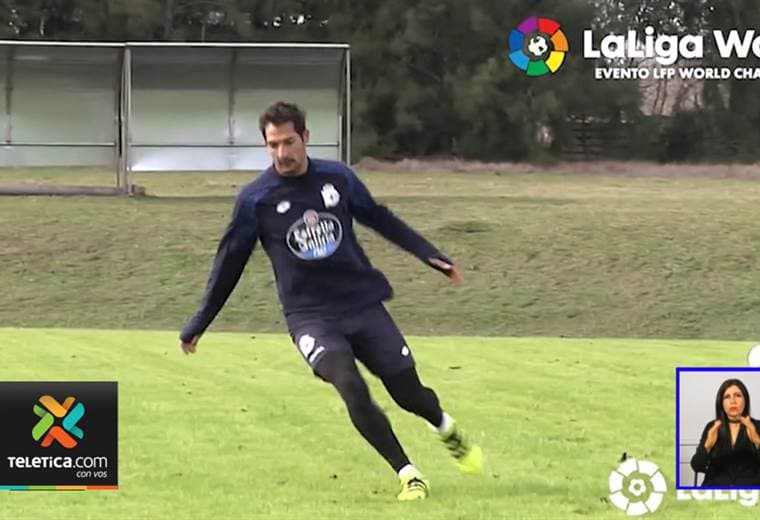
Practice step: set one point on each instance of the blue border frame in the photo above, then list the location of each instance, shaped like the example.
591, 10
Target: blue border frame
678, 416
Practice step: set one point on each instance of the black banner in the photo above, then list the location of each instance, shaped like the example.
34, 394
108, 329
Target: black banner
58, 434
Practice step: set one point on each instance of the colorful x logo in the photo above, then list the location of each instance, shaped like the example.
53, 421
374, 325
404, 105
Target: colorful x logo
45, 429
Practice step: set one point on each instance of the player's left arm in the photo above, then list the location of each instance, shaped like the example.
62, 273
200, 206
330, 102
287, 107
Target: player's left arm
378, 217
751, 426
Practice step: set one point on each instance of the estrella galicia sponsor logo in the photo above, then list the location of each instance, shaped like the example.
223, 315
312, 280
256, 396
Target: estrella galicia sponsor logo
315, 235
59, 434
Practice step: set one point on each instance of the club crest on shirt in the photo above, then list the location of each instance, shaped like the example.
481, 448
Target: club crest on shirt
283, 207
315, 235
330, 196
310, 218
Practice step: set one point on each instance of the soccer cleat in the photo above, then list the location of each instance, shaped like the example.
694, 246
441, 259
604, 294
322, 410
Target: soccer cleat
413, 487
468, 457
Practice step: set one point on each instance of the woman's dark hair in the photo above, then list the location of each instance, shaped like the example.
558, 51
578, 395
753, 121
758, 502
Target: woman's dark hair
720, 413
281, 113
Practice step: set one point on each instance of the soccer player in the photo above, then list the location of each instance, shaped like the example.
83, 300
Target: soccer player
302, 210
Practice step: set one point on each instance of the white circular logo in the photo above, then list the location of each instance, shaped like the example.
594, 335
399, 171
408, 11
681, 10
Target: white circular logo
315, 235
637, 487
753, 357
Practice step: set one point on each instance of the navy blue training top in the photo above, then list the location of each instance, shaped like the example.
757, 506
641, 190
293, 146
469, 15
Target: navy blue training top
305, 225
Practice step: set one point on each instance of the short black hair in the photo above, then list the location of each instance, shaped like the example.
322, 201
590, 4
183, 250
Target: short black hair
283, 112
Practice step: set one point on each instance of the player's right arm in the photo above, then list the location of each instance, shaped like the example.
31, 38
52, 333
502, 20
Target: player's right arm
232, 254
701, 459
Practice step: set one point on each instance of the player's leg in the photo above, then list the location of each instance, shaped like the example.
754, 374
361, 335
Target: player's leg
330, 356
409, 393
339, 369
379, 344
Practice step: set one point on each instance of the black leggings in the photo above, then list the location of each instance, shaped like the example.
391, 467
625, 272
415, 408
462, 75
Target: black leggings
406, 390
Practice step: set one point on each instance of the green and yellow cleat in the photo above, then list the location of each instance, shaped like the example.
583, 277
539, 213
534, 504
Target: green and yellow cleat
414, 487
468, 457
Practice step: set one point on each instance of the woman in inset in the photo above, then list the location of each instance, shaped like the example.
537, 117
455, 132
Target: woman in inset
729, 451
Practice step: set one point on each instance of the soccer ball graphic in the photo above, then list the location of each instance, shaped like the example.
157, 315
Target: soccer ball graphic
537, 46
637, 487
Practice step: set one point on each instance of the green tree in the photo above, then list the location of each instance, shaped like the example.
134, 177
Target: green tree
433, 76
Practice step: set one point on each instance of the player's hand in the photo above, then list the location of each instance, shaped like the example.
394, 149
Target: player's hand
189, 347
751, 431
450, 270
712, 436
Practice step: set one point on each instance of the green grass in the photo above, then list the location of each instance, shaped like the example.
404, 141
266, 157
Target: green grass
242, 429
542, 255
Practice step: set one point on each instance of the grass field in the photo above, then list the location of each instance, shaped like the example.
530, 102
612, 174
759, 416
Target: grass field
97, 289
543, 255
242, 430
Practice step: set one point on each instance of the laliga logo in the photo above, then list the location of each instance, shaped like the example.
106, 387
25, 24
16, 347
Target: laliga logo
637, 487
538, 46
667, 48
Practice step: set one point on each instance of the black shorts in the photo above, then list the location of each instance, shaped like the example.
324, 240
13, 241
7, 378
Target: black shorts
369, 334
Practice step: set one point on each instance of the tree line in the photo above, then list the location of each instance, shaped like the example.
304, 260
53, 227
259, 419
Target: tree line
432, 77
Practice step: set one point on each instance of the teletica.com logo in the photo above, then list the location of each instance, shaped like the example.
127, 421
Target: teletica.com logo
538, 46
46, 431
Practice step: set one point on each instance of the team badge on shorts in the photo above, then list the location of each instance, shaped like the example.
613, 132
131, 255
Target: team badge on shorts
309, 348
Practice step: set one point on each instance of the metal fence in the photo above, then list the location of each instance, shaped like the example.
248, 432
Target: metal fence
166, 106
